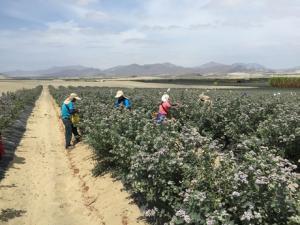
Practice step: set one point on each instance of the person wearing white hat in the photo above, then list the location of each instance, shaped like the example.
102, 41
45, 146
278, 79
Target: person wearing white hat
164, 108
121, 100
67, 110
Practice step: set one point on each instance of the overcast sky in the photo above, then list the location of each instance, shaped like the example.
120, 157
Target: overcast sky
36, 34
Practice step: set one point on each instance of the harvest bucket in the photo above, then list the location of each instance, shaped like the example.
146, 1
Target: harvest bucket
1, 147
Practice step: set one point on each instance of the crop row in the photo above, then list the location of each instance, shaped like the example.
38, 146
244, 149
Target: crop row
285, 82
13, 103
229, 163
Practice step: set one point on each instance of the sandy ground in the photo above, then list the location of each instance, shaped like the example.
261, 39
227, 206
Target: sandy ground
12, 85
6, 86
47, 185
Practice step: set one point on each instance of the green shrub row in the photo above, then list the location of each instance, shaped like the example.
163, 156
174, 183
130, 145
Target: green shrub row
13, 103
285, 82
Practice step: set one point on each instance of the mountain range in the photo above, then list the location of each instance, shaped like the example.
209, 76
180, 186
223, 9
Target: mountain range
211, 68
64, 71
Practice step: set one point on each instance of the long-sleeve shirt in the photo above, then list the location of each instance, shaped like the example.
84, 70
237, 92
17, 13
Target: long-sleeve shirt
126, 102
67, 109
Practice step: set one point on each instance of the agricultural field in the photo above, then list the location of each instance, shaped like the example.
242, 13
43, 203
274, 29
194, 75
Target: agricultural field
212, 81
13, 85
232, 162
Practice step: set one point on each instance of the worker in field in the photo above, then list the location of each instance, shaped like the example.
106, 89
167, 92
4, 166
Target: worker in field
122, 101
205, 99
164, 109
69, 117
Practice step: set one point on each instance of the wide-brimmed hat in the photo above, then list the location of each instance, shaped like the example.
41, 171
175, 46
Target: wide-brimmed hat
203, 97
119, 94
165, 98
74, 95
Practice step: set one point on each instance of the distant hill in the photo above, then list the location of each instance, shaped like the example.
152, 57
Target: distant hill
2, 76
148, 69
290, 70
171, 69
212, 67
218, 68
248, 67
59, 71
163, 69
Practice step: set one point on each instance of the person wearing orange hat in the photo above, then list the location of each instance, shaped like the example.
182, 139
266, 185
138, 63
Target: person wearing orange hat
67, 110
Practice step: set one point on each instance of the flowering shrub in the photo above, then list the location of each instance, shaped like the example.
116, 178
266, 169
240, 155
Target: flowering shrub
219, 164
12, 104
257, 191
282, 130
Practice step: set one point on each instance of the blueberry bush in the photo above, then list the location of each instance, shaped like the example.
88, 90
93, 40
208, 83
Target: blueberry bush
232, 162
13, 103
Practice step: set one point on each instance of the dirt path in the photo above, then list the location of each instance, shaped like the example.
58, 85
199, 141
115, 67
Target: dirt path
46, 185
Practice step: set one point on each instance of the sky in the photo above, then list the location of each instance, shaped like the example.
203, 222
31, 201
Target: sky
38, 34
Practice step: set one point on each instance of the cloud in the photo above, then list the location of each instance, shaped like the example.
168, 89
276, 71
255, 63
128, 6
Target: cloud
160, 28
141, 41
83, 14
85, 2
132, 35
187, 32
226, 3
96, 15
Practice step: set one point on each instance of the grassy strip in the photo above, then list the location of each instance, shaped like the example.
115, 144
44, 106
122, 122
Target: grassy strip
285, 82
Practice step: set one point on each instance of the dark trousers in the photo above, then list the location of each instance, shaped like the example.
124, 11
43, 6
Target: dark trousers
75, 131
68, 131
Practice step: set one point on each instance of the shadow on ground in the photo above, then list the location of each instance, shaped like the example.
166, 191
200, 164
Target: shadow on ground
11, 138
8, 214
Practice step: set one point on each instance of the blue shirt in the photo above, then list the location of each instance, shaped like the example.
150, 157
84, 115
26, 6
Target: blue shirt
66, 112
126, 102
